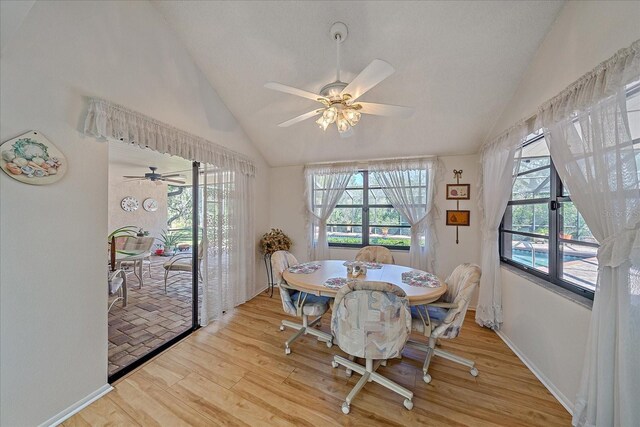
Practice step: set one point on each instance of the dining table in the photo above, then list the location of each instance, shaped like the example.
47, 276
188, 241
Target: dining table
320, 278
136, 257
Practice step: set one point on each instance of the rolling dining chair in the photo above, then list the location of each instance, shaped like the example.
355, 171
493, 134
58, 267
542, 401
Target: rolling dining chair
375, 254
299, 304
371, 320
444, 318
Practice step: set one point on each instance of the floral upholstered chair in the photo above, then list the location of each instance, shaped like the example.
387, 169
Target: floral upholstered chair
444, 318
371, 320
299, 304
375, 254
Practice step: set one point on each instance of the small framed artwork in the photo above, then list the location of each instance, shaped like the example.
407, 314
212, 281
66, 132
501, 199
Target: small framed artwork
458, 218
458, 191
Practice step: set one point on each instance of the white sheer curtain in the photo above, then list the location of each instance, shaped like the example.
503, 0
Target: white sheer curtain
498, 169
324, 185
588, 132
410, 185
228, 265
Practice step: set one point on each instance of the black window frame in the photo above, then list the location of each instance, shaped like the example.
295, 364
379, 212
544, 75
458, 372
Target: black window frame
366, 225
556, 197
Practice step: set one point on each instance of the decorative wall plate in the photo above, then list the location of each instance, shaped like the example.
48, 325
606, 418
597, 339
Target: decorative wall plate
150, 205
31, 158
129, 204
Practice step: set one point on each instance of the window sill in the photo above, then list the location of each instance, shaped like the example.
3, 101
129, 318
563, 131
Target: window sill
565, 293
360, 247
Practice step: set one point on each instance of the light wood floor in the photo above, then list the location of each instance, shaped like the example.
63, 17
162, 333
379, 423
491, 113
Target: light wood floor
235, 372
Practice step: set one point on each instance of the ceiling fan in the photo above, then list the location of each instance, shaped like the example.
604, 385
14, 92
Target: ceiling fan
158, 177
339, 99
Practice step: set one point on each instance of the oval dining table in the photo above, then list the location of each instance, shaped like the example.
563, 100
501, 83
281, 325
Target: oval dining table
313, 283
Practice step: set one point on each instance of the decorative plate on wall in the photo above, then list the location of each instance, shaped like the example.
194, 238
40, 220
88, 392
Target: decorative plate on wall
129, 204
150, 205
31, 158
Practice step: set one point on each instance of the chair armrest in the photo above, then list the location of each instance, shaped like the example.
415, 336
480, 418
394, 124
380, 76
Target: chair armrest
443, 304
178, 257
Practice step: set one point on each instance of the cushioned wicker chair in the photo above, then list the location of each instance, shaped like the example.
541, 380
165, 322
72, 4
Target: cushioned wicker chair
134, 243
444, 318
375, 254
371, 320
299, 304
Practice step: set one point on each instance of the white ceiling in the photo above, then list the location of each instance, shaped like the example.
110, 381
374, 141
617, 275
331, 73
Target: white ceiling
457, 63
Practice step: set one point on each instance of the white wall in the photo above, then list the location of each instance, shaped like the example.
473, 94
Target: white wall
153, 222
548, 330
52, 269
288, 213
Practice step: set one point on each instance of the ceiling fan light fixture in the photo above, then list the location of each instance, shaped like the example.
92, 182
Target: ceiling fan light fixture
352, 116
330, 114
342, 123
323, 123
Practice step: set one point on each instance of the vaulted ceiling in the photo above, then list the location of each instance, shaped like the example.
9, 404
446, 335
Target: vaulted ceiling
457, 63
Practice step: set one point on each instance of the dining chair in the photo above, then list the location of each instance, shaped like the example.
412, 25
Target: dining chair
371, 320
134, 243
298, 304
180, 264
375, 254
444, 318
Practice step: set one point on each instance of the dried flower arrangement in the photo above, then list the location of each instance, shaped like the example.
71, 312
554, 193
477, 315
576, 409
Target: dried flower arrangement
274, 240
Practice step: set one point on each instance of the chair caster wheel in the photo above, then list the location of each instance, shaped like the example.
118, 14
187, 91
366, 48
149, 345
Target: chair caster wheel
348, 372
287, 350
282, 327
474, 372
329, 344
345, 408
408, 404
427, 378
383, 363
334, 364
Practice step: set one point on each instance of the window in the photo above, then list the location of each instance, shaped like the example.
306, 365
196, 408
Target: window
542, 232
364, 216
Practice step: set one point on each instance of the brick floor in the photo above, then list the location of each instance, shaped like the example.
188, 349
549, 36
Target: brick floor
150, 318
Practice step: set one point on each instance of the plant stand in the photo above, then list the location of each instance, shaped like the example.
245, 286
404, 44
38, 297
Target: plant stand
269, 268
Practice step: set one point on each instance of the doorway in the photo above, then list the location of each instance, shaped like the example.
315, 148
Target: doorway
154, 238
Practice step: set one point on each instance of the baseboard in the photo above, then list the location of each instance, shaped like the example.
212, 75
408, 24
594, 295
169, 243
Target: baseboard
568, 404
77, 407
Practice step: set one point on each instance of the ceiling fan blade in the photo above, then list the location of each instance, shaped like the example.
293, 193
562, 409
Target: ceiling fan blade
373, 74
172, 180
295, 91
385, 110
170, 175
301, 117
133, 176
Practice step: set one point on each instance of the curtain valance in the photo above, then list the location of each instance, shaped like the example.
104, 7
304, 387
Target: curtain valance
112, 121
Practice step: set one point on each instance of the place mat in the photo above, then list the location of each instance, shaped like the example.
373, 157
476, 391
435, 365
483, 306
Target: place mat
420, 279
306, 268
337, 282
368, 264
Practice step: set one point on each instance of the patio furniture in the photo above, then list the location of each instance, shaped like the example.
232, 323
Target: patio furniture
117, 284
180, 264
132, 243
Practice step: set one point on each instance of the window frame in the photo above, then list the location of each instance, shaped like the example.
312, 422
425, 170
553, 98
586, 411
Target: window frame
365, 207
555, 199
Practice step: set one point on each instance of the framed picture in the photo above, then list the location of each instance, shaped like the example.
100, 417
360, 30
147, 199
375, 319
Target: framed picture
458, 191
459, 218
31, 158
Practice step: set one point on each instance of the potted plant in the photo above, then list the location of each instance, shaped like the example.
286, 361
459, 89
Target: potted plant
169, 240
274, 240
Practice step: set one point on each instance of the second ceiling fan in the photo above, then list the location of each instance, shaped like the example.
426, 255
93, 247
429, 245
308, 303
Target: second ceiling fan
339, 99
